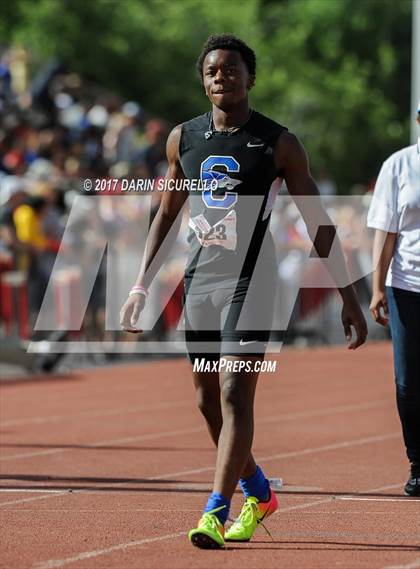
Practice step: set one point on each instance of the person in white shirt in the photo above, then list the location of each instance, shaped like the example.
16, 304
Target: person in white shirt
395, 215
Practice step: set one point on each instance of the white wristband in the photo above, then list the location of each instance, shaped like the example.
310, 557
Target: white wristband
138, 290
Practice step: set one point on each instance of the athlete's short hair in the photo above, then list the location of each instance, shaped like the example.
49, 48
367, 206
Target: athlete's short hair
230, 42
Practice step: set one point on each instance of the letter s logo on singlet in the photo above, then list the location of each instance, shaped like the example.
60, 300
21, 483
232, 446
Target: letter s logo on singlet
223, 180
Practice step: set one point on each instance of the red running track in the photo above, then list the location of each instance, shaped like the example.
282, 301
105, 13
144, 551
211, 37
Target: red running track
110, 468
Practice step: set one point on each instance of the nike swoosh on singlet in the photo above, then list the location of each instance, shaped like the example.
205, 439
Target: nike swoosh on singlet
250, 145
242, 343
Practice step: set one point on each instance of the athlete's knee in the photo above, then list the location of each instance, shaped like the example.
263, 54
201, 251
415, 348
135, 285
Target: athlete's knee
235, 399
208, 402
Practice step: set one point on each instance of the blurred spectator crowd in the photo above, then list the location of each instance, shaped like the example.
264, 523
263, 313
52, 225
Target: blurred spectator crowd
57, 129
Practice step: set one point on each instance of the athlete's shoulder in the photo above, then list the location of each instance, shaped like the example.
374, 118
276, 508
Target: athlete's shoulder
265, 128
199, 123
267, 121
190, 129
173, 143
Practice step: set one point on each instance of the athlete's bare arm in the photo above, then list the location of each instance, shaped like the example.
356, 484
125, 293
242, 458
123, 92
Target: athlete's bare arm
162, 234
291, 158
383, 251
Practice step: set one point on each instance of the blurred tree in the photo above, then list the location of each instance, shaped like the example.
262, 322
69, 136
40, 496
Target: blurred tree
342, 77
336, 72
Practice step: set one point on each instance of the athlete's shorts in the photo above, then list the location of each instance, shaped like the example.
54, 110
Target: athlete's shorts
228, 321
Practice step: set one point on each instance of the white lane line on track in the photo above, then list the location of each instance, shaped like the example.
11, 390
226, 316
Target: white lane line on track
336, 446
326, 411
326, 448
92, 446
151, 493
193, 488
12, 502
150, 436
57, 563
187, 403
31, 454
407, 500
168, 492
33, 490
413, 565
96, 413
102, 510
331, 499
291, 454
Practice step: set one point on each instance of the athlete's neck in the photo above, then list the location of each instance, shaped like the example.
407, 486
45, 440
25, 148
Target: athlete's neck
237, 117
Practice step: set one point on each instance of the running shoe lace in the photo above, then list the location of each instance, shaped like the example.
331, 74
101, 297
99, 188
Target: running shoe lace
209, 518
249, 514
266, 529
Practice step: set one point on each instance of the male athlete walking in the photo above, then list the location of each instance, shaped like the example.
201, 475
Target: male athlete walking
226, 304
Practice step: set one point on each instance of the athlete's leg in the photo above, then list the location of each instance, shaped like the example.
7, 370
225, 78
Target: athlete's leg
202, 330
235, 439
405, 331
208, 401
244, 337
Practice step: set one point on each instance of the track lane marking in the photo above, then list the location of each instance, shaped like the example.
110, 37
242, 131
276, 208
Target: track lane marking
407, 499
92, 446
12, 502
94, 413
57, 563
303, 452
187, 402
150, 436
34, 490
291, 454
336, 446
413, 565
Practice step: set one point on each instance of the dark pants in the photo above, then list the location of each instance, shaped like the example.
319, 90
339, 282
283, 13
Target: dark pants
404, 313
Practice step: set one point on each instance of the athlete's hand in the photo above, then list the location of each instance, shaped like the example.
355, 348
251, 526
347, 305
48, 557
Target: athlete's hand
352, 315
378, 304
130, 312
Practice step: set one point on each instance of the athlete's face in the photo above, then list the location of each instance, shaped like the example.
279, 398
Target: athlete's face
225, 77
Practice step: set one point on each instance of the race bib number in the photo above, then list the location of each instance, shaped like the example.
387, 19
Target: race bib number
222, 233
